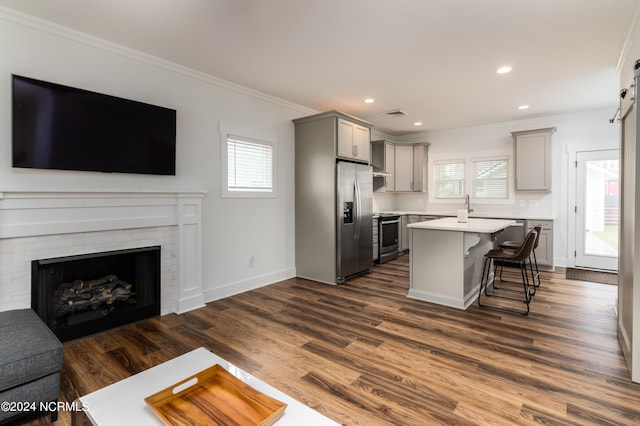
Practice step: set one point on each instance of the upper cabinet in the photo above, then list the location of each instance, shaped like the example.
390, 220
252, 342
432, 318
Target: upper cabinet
354, 141
383, 158
389, 166
333, 134
533, 159
420, 161
404, 166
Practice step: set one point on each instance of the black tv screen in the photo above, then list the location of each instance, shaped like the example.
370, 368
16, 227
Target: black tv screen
64, 128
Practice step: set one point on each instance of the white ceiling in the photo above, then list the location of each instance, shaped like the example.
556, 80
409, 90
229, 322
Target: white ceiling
434, 59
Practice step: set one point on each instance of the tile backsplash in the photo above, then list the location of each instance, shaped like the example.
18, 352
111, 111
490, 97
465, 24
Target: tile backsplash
525, 204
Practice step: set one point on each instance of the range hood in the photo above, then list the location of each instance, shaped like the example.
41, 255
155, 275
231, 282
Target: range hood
378, 172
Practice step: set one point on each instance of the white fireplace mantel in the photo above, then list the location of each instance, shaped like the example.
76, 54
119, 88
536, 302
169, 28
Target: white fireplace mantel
52, 223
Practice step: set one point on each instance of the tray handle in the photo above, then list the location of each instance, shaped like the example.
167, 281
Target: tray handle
185, 384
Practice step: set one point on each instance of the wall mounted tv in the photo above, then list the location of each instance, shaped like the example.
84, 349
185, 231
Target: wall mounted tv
64, 128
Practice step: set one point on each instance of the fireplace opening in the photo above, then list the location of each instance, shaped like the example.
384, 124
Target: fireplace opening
80, 295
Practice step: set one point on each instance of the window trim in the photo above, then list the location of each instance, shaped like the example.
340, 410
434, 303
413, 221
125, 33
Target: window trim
256, 136
474, 180
436, 180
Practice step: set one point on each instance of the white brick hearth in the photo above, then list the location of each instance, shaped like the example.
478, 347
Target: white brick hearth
42, 225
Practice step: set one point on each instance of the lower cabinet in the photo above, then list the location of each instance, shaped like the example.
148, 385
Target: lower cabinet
544, 252
404, 234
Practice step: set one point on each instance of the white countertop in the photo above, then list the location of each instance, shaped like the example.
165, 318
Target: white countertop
483, 226
477, 214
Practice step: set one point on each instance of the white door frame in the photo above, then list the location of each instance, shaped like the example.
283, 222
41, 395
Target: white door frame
572, 189
582, 259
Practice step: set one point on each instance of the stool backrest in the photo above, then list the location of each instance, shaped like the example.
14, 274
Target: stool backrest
538, 229
527, 246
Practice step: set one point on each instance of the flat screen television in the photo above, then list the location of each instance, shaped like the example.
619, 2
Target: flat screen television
64, 128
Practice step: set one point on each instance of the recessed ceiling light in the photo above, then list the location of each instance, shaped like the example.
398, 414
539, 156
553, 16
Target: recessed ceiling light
369, 101
503, 70
521, 107
418, 123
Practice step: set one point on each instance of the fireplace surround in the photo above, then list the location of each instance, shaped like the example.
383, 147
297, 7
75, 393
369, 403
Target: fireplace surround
36, 225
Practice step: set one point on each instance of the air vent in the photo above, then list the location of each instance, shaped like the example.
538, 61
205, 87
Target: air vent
395, 113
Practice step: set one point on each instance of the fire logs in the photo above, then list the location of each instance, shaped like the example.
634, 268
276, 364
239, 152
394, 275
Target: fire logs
93, 294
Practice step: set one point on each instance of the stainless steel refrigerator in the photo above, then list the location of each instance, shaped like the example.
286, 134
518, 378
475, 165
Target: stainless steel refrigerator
333, 200
354, 233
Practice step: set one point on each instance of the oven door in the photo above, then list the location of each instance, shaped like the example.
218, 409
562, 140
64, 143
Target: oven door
388, 235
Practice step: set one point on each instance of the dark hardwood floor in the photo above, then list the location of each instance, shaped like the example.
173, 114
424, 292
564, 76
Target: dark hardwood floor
362, 353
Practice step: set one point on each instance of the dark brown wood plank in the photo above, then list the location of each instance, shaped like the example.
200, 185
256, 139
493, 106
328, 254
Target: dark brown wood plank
362, 353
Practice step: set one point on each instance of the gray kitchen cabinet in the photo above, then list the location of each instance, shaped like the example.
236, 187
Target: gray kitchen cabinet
404, 234
412, 218
390, 166
544, 252
404, 168
383, 156
533, 159
420, 162
353, 141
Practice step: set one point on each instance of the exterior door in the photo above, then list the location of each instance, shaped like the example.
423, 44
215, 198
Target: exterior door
597, 209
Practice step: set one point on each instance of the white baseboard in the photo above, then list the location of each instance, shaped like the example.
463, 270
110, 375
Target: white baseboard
246, 285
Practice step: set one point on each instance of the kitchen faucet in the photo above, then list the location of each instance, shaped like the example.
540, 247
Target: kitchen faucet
467, 203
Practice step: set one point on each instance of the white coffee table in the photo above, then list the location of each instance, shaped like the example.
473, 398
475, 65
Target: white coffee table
123, 403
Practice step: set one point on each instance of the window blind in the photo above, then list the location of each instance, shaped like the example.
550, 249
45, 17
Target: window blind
490, 178
449, 179
250, 165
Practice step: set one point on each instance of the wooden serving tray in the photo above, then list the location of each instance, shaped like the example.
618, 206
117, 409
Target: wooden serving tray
214, 396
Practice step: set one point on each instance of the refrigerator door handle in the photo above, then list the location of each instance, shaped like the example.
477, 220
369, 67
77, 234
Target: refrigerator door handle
356, 188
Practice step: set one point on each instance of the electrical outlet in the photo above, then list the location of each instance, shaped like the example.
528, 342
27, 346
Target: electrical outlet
521, 203
252, 259
533, 203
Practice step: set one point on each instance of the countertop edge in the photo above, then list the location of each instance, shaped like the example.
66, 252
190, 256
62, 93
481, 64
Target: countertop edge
471, 215
475, 225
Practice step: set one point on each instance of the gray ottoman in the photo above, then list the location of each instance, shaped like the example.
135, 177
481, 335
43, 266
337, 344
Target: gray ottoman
31, 357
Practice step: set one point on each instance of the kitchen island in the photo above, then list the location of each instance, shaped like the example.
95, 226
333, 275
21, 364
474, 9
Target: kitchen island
446, 258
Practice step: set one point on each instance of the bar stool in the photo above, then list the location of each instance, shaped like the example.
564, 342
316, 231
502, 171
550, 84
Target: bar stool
515, 245
520, 256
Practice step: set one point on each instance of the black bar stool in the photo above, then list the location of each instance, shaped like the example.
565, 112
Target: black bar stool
520, 256
515, 245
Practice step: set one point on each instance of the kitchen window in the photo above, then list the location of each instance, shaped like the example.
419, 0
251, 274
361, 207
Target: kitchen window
449, 179
490, 178
247, 163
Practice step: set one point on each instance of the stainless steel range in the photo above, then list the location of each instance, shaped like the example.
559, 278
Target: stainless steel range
388, 227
